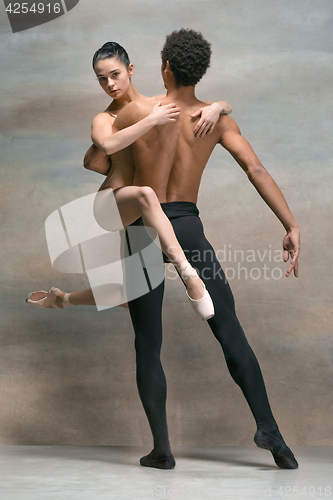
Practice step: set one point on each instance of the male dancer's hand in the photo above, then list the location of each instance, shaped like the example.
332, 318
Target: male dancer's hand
291, 246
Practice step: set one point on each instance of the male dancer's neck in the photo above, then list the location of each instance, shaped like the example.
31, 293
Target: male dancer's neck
184, 94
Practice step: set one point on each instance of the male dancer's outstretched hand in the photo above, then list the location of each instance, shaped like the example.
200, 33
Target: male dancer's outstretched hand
291, 245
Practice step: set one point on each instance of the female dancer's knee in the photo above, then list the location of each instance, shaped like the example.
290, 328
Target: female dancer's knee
147, 197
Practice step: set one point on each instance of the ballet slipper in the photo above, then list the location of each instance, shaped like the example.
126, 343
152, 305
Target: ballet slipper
204, 306
42, 299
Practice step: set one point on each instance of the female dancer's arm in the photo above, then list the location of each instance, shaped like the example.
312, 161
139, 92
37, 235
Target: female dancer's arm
97, 160
210, 115
109, 142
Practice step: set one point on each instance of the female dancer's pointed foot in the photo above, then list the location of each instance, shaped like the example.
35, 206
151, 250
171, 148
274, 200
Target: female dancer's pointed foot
282, 455
158, 462
53, 299
203, 306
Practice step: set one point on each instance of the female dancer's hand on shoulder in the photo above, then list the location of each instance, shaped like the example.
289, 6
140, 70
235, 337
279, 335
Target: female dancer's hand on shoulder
209, 116
164, 114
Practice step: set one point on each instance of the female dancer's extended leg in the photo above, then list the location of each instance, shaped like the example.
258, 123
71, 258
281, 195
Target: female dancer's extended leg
133, 202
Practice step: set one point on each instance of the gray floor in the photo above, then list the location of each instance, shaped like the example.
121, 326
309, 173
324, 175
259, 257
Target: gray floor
103, 473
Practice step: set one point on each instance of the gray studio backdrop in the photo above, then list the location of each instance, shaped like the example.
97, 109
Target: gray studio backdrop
68, 377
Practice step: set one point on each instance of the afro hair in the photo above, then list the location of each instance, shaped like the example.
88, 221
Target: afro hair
188, 54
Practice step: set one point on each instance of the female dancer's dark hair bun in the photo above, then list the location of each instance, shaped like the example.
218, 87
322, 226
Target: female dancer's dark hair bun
111, 49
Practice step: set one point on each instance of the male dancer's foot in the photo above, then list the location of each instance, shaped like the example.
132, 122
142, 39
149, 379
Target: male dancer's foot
274, 442
158, 460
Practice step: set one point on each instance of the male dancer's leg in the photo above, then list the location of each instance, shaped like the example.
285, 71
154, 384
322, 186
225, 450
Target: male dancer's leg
241, 360
146, 316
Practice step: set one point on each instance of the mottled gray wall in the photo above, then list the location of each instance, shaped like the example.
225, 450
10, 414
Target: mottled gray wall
68, 377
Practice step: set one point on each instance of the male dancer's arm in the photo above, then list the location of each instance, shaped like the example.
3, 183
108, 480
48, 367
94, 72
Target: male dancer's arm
243, 153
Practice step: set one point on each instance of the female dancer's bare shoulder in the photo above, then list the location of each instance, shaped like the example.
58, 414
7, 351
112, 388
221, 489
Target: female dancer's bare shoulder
104, 118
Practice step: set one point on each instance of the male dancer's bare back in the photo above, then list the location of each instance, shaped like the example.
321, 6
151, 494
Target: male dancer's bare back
171, 161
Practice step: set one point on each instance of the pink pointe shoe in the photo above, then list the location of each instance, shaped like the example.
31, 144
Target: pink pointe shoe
48, 299
204, 307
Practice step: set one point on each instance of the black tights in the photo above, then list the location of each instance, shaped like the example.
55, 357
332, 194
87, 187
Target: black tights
146, 315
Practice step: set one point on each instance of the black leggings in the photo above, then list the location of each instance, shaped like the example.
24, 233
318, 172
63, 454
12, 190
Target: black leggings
146, 315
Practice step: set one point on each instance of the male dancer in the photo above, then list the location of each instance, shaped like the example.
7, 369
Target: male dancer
171, 161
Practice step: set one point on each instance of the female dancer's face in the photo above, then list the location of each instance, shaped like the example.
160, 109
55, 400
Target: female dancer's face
113, 76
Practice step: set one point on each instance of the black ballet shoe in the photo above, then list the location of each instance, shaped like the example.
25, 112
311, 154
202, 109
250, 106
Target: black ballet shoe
282, 455
159, 463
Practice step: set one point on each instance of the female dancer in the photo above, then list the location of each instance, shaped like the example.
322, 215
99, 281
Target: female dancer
114, 71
